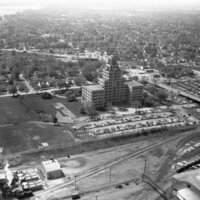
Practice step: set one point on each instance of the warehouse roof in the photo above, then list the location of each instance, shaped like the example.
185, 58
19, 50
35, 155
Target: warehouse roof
187, 194
51, 165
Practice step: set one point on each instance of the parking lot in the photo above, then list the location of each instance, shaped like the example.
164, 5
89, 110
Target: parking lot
188, 147
187, 157
185, 165
127, 123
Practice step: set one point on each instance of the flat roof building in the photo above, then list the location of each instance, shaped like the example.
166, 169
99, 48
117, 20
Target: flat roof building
52, 169
135, 91
93, 93
185, 179
111, 88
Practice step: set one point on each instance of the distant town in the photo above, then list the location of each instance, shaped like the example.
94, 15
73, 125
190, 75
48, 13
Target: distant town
100, 105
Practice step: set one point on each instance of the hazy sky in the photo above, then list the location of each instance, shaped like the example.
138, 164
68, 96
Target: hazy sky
108, 3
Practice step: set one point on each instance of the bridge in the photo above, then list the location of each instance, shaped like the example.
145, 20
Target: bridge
180, 92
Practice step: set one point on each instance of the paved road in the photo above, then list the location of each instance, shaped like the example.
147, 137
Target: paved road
41, 91
67, 57
70, 57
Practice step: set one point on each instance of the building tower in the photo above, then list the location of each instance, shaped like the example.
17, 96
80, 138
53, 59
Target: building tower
113, 83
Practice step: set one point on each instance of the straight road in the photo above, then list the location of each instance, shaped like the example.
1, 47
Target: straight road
40, 91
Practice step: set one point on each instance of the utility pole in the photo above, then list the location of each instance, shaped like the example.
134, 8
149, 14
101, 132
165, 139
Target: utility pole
75, 182
145, 168
175, 160
172, 189
110, 174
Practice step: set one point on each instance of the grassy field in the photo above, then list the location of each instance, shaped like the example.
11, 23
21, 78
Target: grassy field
12, 111
26, 134
75, 108
30, 136
36, 103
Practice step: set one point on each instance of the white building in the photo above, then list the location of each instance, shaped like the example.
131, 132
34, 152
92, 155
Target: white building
187, 194
147, 74
52, 169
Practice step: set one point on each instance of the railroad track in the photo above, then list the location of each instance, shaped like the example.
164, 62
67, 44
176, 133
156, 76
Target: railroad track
112, 164
101, 188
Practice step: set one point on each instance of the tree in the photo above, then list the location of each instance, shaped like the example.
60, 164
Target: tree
79, 80
150, 101
82, 111
144, 82
62, 84
109, 107
51, 71
89, 71
162, 96
187, 72
22, 87
12, 90
68, 93
13, 52
15, 73
153, 89
136, 104
91, 110
71, 96
73, 70
46, 95
55, 120
151, 49
3, 89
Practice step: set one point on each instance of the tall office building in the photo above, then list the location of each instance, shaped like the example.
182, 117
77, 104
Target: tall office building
111, 88
113, 84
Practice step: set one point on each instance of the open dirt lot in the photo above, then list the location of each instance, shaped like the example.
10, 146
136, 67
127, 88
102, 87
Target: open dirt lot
127, 174
129, 170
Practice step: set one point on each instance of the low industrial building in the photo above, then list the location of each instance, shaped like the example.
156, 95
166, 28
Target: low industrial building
191, 180
52, 169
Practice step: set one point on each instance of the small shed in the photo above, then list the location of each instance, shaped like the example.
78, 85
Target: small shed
52, 169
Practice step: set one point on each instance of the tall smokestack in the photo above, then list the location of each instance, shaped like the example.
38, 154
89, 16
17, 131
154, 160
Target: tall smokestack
8, 173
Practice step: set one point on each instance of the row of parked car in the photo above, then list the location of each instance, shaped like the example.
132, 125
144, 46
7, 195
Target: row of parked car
134, 118
189, 147
175, 121
184, 165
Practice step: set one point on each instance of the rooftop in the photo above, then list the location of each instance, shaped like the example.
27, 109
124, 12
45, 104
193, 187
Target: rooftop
191, 177
133, 84
136, 71
51, 165
94, 87
187, 194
